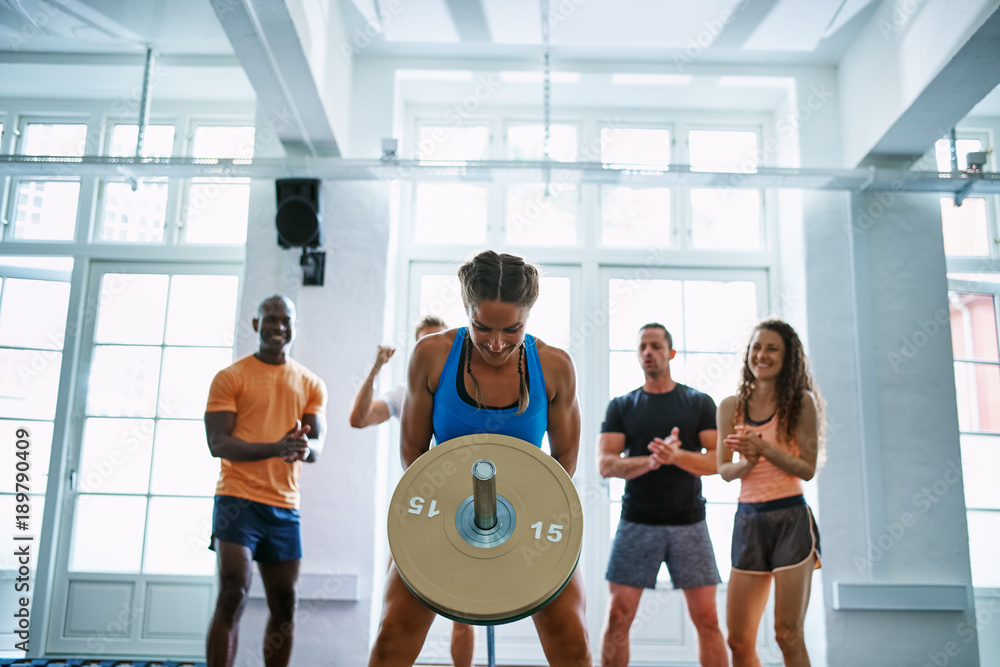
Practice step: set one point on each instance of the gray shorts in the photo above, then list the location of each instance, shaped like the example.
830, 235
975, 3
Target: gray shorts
639, 549
774, 535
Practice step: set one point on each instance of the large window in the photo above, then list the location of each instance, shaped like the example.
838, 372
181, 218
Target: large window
975, 304
972, 244
613, 258
141, 342
553, 213
158, 341
31, 355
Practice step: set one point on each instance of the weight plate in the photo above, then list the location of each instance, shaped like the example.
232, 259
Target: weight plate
485, 581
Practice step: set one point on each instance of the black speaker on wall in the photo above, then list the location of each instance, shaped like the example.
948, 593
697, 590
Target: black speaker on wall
300, 224
299, 218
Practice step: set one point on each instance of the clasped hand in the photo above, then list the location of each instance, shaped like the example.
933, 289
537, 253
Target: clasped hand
663, 451
294, 446
749, 445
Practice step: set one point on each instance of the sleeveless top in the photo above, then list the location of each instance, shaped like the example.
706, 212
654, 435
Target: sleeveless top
766, 481
454, 417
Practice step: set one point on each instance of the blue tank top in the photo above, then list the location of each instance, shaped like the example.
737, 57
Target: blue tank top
453, 417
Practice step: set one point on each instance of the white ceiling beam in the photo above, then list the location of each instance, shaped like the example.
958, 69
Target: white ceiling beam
971, 74
268, 46
470, 21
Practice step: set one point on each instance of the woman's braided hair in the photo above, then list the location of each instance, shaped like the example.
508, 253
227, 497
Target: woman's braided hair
491, 276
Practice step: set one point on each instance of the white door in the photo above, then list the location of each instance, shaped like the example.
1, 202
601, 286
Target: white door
135, 575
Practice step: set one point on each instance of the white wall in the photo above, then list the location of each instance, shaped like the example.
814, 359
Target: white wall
339, 323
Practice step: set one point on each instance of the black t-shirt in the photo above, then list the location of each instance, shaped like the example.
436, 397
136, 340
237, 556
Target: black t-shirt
668, 495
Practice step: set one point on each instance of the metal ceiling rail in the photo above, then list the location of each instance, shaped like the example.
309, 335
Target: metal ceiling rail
559, 174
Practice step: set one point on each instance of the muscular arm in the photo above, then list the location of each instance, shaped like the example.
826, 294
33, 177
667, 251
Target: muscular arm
611, 463
222, 444
368, 411
316, 436
729, 470
699, 463
417, 422
564, 409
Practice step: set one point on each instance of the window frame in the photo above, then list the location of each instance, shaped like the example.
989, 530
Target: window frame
993, 289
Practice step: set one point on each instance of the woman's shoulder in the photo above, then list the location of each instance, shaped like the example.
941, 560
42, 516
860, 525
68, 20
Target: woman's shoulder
549, 353
728, 403
434, 345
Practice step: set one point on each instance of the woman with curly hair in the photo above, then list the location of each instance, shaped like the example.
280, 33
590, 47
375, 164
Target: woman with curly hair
775, 423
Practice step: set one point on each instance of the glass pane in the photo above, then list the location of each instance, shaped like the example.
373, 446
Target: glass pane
46, 210
115, 455
23, 323
965, 226
624, 373
132, 308
157, 142
217, 211
942, 153
223, 142
54, 139
616, 512
719, 518
535, 218
182, 464
984, 545
450, 213
979, 454
973, 326
177, 537
56, 264
123, 381
439, 142
39, 454
202, 310
978, 389
29, 383
549, 319
133, 217
621, 145
107, 534
527, 142
442, 296
718, 315
635, 217
187, 374
715, 374
725, 219
634, 302
722, 150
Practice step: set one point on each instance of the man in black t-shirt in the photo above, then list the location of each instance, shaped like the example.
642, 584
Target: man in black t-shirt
660, 438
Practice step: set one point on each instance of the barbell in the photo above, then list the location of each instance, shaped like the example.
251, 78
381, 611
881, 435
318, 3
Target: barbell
485, 529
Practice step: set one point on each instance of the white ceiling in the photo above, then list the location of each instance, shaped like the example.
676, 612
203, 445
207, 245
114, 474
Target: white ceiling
95, 48
790, 31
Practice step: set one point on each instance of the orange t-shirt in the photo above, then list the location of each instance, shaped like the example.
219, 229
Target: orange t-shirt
267, 399
766, 481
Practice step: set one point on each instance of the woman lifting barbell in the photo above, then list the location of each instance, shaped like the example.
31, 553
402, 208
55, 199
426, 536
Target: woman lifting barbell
454, 380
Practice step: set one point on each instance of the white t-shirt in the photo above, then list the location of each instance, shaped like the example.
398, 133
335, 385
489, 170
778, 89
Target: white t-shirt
394, 400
